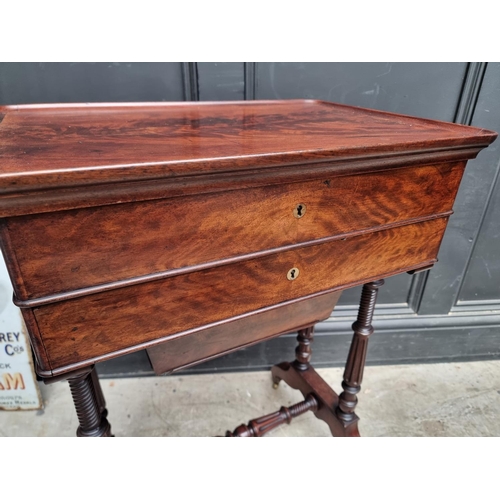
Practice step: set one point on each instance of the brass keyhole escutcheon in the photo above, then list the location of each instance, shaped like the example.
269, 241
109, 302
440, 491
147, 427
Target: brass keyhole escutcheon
293, 274
299, 211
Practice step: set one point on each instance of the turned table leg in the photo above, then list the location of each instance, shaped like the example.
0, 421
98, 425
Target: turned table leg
90, 405
260, 426
299, 374
303, 354
303, 351
337, 411
353, 374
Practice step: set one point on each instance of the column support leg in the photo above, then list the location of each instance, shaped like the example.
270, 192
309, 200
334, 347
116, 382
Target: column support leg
89, 404
353, 374
303, 351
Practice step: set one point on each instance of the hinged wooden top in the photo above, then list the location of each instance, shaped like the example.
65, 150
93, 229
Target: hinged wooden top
63, 146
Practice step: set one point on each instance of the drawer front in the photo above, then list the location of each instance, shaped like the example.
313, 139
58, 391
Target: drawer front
70, 250
98, 325
187, 350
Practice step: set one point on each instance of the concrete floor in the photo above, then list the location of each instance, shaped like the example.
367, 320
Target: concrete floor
453, 399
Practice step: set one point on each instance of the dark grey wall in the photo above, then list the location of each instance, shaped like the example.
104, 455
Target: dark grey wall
451, 312
90, 82
419, 89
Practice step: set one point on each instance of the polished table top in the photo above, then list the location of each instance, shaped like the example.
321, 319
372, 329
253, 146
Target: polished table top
139, 226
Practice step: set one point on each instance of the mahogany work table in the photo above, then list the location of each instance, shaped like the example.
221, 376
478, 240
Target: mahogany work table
195, 229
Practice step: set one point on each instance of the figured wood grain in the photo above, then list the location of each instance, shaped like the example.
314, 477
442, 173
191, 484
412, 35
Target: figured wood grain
188, 350
38, 199
64, 251
171, 227
89, 327
133, 140
60, 157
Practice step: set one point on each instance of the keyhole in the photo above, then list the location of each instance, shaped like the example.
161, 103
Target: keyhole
292, 274
299, 211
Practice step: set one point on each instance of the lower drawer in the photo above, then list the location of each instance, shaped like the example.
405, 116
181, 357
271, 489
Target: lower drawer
188, 350
102, 325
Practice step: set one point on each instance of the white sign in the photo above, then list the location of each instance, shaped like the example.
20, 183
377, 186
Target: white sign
18, 386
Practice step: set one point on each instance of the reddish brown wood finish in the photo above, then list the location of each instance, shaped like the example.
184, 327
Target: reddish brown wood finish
310, 382
89, 404
300, 375
100, 325
126, 226
188, 350
261, 426
92, 143
336, 411
353, 374
139, 239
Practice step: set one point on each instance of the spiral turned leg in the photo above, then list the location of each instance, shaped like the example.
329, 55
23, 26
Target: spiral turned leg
89, 405
353, 374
